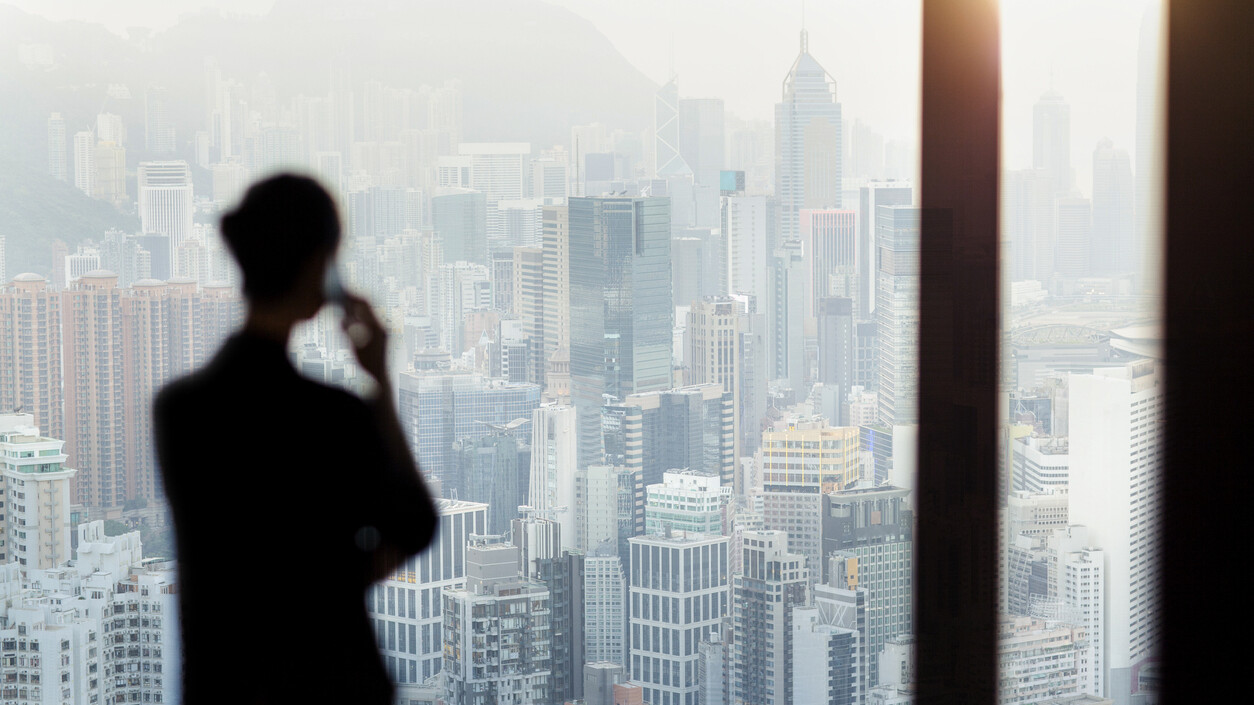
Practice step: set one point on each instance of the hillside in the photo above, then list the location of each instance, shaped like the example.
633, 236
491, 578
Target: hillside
529, 71
35, 209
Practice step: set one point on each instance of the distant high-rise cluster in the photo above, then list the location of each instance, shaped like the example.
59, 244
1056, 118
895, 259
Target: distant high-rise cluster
661, 372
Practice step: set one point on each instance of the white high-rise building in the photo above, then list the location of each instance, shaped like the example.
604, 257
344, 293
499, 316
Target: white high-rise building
84, 260
1116, 489
748, 251
596, 506
36, 486
807, 142
1114, 249
103, 629
871, 196
1040, 464
680, 593
501, 171
110, 128
84, 161
604, 605
522, 223
405, 609
551, 492
165, 201
56, 148
1051, 140
464, 287
685, 500
550, 178
1079, 573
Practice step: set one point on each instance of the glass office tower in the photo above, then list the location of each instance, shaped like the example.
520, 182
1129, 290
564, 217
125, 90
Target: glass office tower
621, 311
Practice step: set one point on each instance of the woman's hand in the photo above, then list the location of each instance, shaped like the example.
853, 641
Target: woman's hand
368, 336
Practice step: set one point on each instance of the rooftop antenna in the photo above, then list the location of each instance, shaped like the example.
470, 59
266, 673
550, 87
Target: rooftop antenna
805, 37
578, 183
671, 69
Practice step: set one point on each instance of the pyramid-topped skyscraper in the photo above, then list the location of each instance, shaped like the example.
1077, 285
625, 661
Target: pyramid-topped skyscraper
807, 141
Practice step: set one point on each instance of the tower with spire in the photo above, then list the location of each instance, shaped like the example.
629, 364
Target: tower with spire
807, 141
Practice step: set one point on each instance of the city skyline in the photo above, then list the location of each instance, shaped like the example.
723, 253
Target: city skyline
660, 370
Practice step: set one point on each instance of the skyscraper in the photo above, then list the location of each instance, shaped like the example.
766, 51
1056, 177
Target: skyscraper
701, 138
406, 607
500, 172
528, 304
1114, 246
1079, 571
542, 558
773, 582
871, 532
831, 245
667, 160
95, 413
165, 202
1028, 224
1051, 140
605, 605
30, 352
1115, 491
492, 469
1074, 226
438, 409
516, 665
84, 161
680, 592
464, 288
161, 340
785, 307
109, 183
111, 128
553, 477
684, 501
159, 137
897, 313
684, 428
459, 218
555, 246
745, 230
37, 517
807, 142
870, 197
596, 506
810, 457
836, 351
621, 313
726, 344
829, 640
800, 465
57, 159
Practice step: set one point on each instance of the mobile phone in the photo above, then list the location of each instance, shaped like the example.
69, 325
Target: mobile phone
335, 294
333, 287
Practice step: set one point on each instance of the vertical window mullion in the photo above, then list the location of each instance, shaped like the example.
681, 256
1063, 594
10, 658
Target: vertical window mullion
956, 559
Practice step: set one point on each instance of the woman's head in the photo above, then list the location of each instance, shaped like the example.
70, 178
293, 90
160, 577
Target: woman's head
283, 233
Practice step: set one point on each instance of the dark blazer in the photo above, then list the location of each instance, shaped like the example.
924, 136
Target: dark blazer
289, 499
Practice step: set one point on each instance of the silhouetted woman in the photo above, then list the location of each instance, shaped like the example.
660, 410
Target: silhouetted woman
289, 497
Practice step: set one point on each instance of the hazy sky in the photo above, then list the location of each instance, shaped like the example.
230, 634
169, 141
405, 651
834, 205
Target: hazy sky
740, 50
